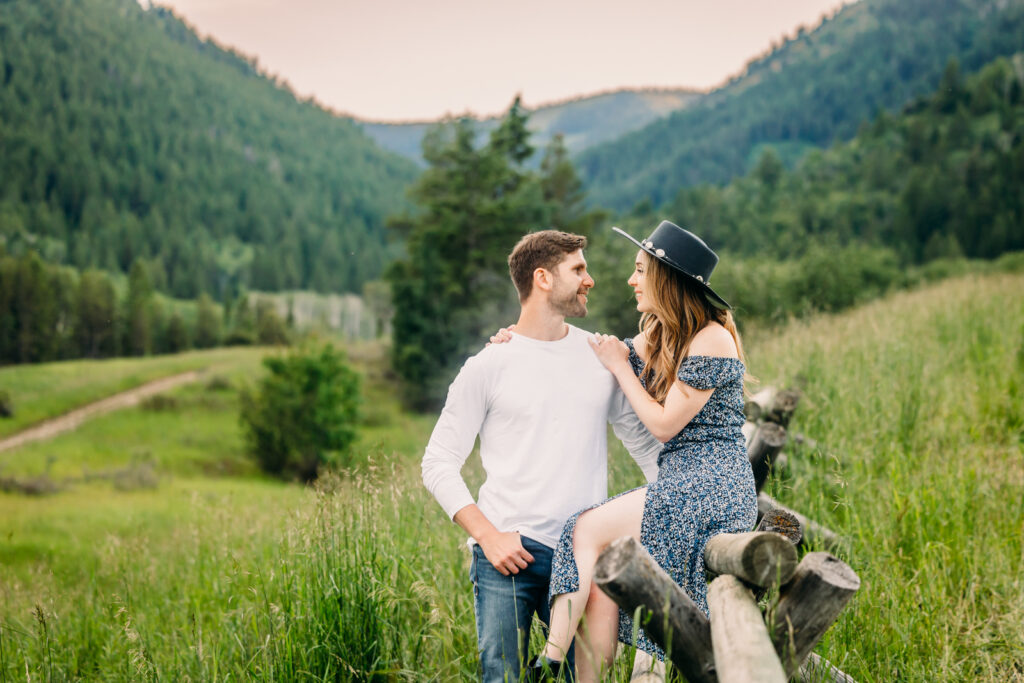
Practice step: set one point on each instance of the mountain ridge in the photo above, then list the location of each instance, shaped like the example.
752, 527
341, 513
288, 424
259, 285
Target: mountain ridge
583, 120
125, 136
816, 87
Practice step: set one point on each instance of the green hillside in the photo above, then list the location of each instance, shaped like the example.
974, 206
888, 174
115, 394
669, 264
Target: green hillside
941, 180
125, 136
166, 557
582, 122
815, 88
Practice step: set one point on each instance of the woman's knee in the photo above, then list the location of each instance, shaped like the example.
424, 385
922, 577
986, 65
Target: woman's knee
599, 526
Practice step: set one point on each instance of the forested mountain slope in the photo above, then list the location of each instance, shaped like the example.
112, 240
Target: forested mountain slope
815, 88
943, 179
123, 136
582, 122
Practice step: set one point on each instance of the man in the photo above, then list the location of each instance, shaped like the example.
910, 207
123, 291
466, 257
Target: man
540, 404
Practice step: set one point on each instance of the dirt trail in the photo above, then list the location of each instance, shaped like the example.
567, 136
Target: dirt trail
68, 421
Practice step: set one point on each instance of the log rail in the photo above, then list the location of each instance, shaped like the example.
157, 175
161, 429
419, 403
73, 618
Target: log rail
738, 643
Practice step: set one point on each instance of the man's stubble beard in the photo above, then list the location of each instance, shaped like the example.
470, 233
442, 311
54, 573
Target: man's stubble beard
570, 306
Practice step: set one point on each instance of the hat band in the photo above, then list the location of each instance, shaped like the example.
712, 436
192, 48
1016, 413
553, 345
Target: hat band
660, 253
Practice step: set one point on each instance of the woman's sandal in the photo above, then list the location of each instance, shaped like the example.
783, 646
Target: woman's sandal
541, 669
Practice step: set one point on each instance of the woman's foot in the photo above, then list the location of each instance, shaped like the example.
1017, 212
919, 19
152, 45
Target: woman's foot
542, 669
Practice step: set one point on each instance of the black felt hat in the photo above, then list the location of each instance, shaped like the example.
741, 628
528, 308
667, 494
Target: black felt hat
682, 250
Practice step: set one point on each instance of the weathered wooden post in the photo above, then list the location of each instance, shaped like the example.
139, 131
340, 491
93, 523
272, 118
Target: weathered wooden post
759, 404
812, 531
768, 440
771, 405
743, 650
808, 605
627, 573
761, 558
819, 670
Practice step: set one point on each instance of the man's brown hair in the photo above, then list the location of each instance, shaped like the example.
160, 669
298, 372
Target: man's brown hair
544, 249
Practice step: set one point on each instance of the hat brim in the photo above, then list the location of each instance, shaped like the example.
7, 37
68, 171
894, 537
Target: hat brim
712, 297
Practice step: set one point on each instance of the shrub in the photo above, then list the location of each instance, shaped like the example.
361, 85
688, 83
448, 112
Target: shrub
302, 415
6, 404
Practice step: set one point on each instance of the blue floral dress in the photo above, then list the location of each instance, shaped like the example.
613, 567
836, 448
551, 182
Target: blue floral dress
705, 486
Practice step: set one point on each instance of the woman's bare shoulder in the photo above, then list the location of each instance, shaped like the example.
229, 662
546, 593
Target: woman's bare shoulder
714, 340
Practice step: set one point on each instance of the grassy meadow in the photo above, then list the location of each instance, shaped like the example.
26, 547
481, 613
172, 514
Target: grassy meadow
167, 556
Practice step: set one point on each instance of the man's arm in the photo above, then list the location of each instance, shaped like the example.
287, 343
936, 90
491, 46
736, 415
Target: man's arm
450, 445
637, 439
503, 549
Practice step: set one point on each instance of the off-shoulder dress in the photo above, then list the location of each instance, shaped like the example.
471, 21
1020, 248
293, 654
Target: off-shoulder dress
705, 486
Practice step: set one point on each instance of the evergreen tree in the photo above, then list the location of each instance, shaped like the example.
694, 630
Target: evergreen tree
96, 334
563, 191
270, 328
208, 323
302, 415
243, 327
138, 312
453, 286
177, 334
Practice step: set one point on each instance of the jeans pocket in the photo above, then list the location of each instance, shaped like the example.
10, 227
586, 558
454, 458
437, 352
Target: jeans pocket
472, 572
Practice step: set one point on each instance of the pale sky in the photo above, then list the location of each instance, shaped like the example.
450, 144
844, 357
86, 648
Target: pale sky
396, 60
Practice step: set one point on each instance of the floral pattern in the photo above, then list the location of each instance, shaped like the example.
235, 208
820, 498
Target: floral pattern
705, 486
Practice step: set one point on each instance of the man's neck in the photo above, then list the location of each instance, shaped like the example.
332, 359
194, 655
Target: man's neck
541, 323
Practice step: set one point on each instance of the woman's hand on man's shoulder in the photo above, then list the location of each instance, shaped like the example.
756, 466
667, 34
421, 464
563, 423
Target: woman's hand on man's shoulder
503, 335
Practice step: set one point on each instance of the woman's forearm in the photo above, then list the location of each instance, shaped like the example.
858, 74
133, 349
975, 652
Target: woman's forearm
650, 412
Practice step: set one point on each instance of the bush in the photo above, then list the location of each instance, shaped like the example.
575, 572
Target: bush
6, 404
303, 413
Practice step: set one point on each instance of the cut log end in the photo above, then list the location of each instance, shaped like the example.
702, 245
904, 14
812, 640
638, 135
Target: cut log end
773, 435
833, 570
773, 559
782, 522
758, 558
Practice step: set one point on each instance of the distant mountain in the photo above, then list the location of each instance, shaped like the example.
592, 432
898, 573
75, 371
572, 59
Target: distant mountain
583, 121
124, 136
817, 87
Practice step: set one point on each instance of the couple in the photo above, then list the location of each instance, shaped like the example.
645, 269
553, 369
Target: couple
540, 403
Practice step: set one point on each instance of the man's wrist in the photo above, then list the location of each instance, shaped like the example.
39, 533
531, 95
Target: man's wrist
487, 536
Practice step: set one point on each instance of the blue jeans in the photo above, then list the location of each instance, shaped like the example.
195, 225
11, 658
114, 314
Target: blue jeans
505, 606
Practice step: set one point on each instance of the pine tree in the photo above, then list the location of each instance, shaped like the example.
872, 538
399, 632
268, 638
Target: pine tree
138, 312
208, 323
96, 313
452, 286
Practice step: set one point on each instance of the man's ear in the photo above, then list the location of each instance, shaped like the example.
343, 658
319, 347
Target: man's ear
543, 279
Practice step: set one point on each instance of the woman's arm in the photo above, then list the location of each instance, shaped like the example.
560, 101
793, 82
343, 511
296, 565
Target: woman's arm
683, 401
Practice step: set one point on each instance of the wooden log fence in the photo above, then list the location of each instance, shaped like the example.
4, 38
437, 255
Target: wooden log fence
738, 643
812, 601
737, 640
765, 445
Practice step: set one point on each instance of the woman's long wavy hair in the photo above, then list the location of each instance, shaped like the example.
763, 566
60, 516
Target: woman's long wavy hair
680, 311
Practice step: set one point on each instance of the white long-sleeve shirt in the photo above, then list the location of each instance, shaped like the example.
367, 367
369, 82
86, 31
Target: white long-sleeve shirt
541, 410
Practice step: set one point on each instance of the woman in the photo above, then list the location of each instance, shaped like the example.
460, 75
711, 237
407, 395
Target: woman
683, 375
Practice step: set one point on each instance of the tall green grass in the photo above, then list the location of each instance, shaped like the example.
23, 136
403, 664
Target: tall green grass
917, 404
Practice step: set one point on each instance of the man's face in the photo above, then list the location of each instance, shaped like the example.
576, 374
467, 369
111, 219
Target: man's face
571, 284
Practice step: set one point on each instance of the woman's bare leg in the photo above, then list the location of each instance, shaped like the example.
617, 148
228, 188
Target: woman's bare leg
598, 635
595, 529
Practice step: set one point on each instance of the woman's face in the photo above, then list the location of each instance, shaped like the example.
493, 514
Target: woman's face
636, 281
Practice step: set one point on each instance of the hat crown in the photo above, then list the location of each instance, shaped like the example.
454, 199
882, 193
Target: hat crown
683, 250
